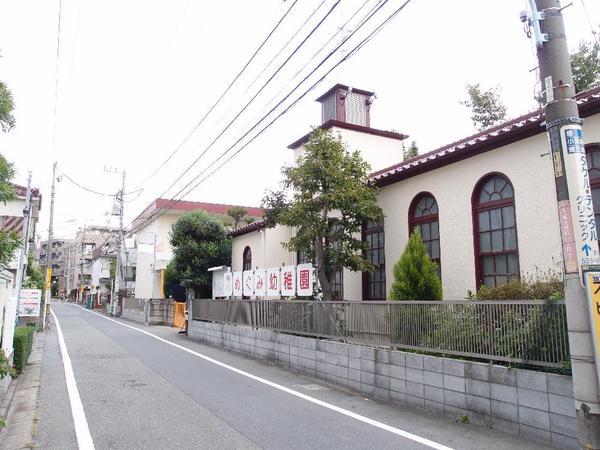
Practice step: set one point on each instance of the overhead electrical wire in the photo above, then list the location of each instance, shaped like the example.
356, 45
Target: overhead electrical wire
357, 48
223, 94
224, 130
587, 15
57, 72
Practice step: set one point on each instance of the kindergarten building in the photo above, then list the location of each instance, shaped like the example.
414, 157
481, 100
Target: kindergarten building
485, 205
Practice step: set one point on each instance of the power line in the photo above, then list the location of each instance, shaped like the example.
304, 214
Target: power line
57, 70
86, 188
355, 50
281, 66
223, 94
587, 15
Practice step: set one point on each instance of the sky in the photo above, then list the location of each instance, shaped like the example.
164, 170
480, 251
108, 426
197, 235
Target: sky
135, 77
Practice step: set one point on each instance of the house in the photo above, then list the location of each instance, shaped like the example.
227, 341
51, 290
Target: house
152, 250
485, 205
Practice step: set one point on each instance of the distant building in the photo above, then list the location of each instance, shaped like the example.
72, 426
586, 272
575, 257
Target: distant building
152, 250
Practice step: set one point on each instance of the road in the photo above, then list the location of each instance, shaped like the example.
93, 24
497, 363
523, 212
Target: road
155, 389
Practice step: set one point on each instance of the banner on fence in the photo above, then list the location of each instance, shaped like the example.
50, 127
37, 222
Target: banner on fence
304, 275
288, 281
260, 284
227, 284
274, 282
29, 302
248, 282
237, 284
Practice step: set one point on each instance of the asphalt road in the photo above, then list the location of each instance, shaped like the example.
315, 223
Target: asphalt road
138, 392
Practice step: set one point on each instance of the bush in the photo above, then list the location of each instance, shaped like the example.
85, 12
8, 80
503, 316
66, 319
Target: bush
22, 343
415, 274
5, 367
546, 286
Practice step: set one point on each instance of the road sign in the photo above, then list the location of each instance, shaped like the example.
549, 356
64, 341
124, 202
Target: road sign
580, 192
593, 298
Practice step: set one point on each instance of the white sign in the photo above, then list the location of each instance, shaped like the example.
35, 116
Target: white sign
248, 282
288, 281
260, 282
582, 208
227, 284
273, 282
237, 284
29, 302
304, 277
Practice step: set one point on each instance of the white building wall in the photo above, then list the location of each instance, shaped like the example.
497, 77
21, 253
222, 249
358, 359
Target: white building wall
266, 248
380, 152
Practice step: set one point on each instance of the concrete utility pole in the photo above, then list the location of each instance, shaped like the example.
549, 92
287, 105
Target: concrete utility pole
80, 286
119, 268
25, 244
580, 247
48, 274
68, 272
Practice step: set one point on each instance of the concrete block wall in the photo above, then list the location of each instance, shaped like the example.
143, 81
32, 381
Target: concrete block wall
536, 405
134, 315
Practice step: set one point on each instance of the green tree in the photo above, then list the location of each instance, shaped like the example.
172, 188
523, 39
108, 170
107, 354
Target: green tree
410, 152
34, 276
331, 198
486, 106
199, 241
7, 120
585, 64
236, 213
415, 274
9, 241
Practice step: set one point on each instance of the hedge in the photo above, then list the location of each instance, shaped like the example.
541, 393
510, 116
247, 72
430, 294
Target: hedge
22, 344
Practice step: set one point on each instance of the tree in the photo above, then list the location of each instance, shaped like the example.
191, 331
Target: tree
9, 241
410, 152
331, 198
199, 241
236, 213
585, 64
486, 106
34, 277
7, 120
415, 274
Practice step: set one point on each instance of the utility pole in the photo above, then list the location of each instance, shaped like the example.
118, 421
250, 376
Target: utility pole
68, 272
575, 207
48, 274
80, 287
25, 244
120, 197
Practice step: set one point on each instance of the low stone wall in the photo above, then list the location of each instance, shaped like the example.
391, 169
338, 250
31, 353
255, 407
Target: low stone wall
535, 405
134, 315
154, 312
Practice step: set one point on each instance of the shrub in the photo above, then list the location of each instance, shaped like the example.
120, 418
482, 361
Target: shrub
22, 343
415, 274
5, 367
545, 286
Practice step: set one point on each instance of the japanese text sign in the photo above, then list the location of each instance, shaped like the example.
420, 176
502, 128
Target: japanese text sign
227, 284
593, 298
248, 282
304, 277
260, 283
288, 281
237, 284
29, 302
273, 282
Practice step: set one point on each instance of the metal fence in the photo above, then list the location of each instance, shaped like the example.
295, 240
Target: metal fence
530, 332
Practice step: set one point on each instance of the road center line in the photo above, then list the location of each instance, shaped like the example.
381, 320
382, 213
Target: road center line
82, 431
287, 390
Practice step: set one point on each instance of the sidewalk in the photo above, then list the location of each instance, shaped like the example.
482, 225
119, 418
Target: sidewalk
19, 405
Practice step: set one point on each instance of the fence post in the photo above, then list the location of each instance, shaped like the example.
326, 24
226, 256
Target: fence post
147, 311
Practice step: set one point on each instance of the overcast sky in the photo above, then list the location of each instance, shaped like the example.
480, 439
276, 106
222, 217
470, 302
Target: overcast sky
135, 77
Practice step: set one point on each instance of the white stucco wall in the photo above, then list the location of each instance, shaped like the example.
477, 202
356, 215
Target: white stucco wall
380, 152
274, 254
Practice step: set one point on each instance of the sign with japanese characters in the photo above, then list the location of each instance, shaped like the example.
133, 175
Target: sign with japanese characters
593, 297
237, 284
248, 282
29, 302
260, 284
580, 191
273, 282
288, 281
304, 278
227, 284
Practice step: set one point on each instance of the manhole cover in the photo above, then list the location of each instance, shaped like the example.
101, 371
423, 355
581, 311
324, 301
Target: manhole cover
310, 387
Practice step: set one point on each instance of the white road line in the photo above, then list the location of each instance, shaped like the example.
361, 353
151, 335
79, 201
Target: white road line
82, 431
375, 423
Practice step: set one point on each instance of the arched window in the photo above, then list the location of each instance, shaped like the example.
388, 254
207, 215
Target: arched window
423, 216
593, 162
496, 249
247, 259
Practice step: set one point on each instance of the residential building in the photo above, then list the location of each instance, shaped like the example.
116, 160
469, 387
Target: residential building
11, 217
484, 205
58, 260
153, 251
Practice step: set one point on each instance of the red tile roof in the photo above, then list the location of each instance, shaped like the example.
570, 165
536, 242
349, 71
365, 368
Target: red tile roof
259, 224
508, 132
